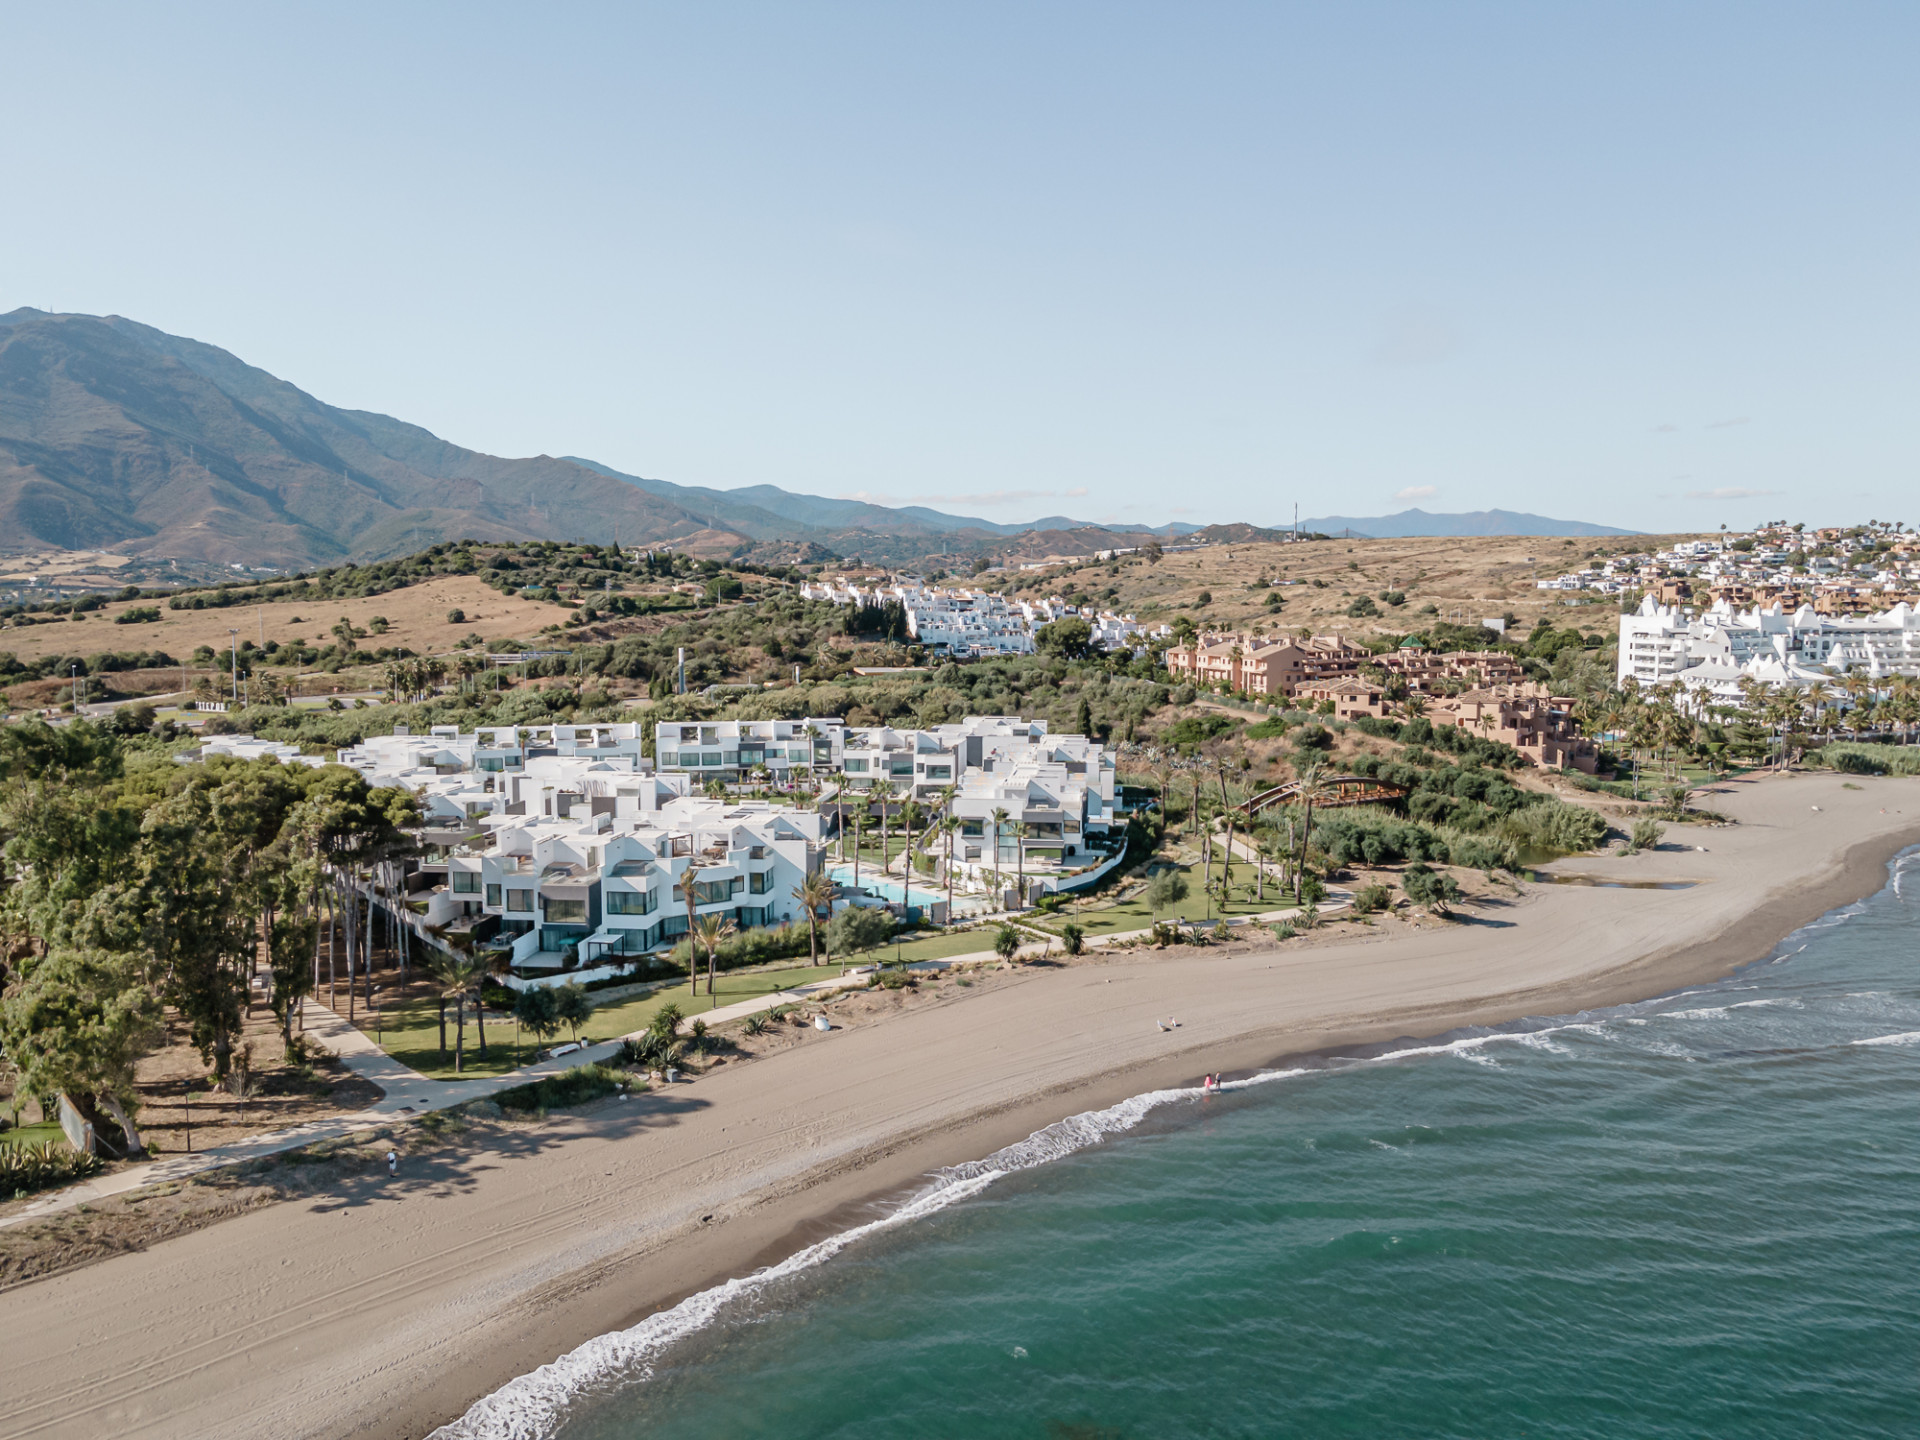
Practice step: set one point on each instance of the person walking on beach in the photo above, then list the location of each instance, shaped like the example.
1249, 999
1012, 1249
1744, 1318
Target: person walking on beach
393, 1163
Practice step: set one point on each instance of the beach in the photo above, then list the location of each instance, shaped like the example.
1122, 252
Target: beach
387, 1311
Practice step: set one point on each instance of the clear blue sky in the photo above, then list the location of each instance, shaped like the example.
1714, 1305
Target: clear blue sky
1649, 265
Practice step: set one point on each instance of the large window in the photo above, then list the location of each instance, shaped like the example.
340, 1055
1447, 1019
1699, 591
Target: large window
493, 897
564, 912
466, 882
520, 900
631, 902
856, 767
760, 882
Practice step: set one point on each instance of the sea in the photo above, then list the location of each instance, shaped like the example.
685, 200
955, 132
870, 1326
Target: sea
1696, 1216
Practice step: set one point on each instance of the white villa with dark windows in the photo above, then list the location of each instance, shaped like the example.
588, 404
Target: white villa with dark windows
608, 883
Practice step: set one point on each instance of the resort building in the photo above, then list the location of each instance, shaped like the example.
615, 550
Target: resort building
981, 622
609, 881
1351, 696
1534, 722
1712, 649
730, 749
1256, 666
1426, 671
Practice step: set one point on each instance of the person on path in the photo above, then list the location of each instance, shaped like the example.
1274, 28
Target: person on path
393, 1163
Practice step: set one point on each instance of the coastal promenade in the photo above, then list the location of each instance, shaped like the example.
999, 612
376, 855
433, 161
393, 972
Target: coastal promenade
408, 1095
388, 1310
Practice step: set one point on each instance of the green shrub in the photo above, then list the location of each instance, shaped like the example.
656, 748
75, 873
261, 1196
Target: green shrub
1073, 938
1370, 899
1645, 835
25, 1168
1555, 825
1857, 758
571, 1087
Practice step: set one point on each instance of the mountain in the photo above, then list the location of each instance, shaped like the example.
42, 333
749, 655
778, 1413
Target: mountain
116, 435
1476, 522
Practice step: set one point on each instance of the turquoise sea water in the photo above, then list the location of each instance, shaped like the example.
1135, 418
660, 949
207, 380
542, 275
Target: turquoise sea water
1698, 1216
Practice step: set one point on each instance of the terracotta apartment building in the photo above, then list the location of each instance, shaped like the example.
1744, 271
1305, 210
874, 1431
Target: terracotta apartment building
1255, 665
1527, 717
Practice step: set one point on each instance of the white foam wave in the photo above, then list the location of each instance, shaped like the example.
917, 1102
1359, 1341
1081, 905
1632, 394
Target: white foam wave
1906, 1037
1788, 1000
1711, 1012
531, 1406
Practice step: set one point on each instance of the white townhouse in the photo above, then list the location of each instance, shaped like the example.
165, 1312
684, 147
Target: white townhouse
608, 882
728, 749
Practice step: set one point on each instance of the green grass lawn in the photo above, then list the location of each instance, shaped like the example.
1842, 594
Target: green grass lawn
34, 1134
1116, 918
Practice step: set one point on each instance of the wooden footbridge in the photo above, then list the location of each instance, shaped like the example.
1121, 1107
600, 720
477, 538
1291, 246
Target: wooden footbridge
1335, 791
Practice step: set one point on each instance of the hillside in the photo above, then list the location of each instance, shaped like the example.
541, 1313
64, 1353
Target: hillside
116, 436
1286, 588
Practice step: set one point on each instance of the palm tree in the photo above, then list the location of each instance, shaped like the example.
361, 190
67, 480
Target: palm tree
951, 827
687, 876
815, 893
456, 977
859, 826
1000, 818
1311, 787
711, 931
1022, 833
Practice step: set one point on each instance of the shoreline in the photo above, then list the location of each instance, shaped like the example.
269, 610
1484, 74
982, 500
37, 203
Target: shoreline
567, 1257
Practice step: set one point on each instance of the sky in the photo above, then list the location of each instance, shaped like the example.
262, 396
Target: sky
1647, 265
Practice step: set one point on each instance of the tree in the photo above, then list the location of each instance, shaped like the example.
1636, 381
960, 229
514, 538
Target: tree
537, 1009
815, 893
857, 929
1000, 818
1165, 890
76, 1025
711, 930
454, 978
1073, 938
1068, 638
1429, 887
571, 1007
1006, 941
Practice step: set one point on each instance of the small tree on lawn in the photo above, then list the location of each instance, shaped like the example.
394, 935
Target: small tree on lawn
1006, 941
856, 929
537, 1009
1164, 891
571, 1007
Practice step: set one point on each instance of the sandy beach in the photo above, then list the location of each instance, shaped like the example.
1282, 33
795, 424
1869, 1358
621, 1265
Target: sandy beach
385, 1310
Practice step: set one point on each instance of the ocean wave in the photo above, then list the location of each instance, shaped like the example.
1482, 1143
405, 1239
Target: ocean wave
1906, 1037
533, 1405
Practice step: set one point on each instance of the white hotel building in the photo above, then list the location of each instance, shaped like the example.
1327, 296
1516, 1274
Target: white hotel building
1713, 649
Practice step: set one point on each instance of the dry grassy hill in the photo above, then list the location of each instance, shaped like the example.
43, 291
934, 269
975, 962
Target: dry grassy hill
416, 616
1463, 580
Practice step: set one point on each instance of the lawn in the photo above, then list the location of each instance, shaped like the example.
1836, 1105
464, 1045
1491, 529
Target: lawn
1113, 918
34, 1134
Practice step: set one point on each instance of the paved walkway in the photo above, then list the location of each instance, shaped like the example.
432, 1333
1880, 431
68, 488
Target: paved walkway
409, 1095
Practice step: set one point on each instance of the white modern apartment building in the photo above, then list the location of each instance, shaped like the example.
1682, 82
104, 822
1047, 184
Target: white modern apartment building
728, 749
981, 622
1714, 648
609, 882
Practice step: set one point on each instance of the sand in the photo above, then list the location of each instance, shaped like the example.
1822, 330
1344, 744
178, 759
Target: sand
386, 1310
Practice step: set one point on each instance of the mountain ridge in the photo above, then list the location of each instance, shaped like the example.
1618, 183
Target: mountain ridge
1407, 524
